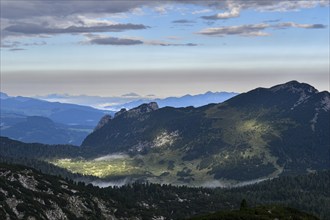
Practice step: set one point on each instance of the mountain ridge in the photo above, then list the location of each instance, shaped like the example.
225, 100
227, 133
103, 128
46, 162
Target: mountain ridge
61, 124
132, 100
267, 132
31, 129
59, 112
182, 101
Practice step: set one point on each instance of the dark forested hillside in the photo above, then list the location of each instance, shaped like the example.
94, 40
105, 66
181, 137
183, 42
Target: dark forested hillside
264, 132
269, 212
307, 192
39, 129
16, 149
24, 193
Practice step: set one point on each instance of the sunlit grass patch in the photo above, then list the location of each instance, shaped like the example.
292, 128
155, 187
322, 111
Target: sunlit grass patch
103, 168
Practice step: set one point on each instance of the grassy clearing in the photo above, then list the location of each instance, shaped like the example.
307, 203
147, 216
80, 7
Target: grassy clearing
156, 167
104, 168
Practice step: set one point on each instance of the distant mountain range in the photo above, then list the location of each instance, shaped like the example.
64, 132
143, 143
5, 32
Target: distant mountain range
69, 114
93, 101
132, 100
42, 130
33, 120
183, 101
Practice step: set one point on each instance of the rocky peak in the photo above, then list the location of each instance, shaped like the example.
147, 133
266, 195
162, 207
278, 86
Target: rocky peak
302, 91
295, 87
143, 109
123, 110
104, 120
325, 102
152, 106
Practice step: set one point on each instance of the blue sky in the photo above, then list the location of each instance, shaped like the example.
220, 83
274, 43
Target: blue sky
170, 48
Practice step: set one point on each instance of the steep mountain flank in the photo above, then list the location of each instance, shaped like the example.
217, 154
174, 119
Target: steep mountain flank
261, 133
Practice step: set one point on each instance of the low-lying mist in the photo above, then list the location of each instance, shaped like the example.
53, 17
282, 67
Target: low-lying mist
112, 157
112, 183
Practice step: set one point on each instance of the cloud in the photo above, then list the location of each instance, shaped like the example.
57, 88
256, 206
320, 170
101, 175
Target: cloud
174, 37
234, 11
16, 49
39, 29
234, 7
286, 5
44, 18
131, 94
114, 41
160, 9
201, 11
242, 30
40, 8
16, 45
10, 44
271, 5
272, 20
170, 44
138, 11
254, 30
106, 40
295, 25
183, 21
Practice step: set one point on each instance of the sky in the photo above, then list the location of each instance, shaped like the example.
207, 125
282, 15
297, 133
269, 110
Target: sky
161, 48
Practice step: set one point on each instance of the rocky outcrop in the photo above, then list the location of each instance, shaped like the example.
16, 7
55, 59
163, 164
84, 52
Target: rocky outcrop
28, 194
123, 110
140, 110
295, 87
104, 120
143, 109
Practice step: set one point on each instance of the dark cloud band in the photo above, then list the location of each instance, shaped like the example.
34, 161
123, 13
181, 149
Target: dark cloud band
38, 29
115, 41
254, 30
183, 21
100, 40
